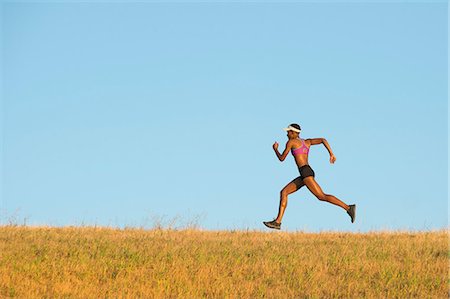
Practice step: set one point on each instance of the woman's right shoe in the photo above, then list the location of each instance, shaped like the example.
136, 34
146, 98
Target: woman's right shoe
272, 224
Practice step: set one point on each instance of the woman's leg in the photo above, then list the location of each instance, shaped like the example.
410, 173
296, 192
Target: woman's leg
293, 186
312, 185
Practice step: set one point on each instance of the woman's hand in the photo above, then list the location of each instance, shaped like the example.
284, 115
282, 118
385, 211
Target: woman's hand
275, 146
332, 158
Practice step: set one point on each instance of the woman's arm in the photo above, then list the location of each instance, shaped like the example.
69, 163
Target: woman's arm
281, 157
315, 141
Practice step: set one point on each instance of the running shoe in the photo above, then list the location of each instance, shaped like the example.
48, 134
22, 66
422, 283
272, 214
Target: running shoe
352, 212
272, 224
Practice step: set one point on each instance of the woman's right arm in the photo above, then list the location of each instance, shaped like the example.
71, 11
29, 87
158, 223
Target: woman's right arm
315, 141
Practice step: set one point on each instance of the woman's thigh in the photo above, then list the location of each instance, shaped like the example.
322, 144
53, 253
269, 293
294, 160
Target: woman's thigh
293, 185
312, 185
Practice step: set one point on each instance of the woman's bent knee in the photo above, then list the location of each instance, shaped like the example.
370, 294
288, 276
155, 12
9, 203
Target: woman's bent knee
322, 197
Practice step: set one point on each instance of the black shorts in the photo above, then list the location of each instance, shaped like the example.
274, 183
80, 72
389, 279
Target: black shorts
305, 171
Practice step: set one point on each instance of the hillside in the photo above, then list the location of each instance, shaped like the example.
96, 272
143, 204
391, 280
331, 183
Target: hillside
93, 262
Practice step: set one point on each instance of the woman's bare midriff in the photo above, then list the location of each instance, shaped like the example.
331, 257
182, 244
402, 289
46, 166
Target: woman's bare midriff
301, 160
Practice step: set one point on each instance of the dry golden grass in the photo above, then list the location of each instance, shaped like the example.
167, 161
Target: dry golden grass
92, 262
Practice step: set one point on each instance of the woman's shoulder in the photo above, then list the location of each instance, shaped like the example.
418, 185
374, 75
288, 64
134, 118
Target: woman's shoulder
296, 143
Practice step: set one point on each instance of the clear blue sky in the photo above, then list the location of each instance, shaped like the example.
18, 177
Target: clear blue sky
119, 113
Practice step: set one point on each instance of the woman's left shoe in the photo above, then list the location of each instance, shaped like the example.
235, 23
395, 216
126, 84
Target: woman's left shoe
352, 212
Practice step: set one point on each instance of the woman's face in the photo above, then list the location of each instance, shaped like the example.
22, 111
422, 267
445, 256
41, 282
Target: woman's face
292, 134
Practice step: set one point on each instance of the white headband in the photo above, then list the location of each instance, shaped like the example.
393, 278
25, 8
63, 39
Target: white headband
290, 128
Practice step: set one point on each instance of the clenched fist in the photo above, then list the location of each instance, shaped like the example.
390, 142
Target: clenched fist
332, 159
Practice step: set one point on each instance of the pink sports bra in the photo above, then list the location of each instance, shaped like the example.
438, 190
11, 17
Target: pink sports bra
303, 150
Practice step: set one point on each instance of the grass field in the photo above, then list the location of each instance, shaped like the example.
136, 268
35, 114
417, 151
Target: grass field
93, 262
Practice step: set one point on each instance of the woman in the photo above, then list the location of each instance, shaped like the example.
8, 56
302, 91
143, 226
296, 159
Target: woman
300, 149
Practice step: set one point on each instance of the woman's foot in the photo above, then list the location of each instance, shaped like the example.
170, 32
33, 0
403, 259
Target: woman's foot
272, 224
352, 212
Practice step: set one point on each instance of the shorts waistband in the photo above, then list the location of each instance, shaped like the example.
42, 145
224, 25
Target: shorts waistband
307, 165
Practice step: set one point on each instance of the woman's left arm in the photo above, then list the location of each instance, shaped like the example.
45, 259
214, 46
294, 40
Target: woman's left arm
314, 141
282, 156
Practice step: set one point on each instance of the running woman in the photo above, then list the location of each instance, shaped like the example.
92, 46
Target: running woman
300, 149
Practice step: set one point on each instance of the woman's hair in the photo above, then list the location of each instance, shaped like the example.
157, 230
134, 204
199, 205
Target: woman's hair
295, 126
